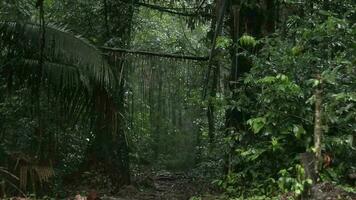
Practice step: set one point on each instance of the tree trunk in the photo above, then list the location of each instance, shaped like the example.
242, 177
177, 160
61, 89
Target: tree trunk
110, 148
318, 132
217, 26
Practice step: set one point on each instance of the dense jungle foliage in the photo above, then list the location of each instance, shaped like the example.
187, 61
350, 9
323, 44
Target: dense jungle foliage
178, 99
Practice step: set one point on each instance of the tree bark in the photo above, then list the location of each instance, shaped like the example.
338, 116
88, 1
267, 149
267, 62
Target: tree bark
318, 132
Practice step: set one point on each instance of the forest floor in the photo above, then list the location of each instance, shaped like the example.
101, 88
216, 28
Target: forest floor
164, 185
153, 185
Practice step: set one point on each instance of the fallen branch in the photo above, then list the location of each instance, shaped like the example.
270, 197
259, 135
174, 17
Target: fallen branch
170, 10
148, 53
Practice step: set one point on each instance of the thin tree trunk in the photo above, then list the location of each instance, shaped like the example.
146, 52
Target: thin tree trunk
213, 63
107, 29
318, 132
211, 106
271, 16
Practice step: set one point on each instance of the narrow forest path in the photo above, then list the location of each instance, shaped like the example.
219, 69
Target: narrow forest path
166, 186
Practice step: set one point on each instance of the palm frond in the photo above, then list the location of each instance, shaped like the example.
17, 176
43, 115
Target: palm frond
67, 58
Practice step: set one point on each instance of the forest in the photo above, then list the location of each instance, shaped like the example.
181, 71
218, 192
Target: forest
178, 99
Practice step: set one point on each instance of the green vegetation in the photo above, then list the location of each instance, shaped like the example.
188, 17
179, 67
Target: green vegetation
181, 99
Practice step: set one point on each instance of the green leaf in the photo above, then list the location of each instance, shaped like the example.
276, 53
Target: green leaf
257, 124
298, 131
223, 42
267, 79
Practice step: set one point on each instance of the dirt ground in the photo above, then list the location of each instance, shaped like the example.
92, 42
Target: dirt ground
164, 185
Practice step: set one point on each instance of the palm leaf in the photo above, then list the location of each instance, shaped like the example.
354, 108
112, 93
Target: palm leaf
72, 67
68, 59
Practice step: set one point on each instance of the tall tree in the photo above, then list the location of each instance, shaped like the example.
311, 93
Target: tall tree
110, 147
